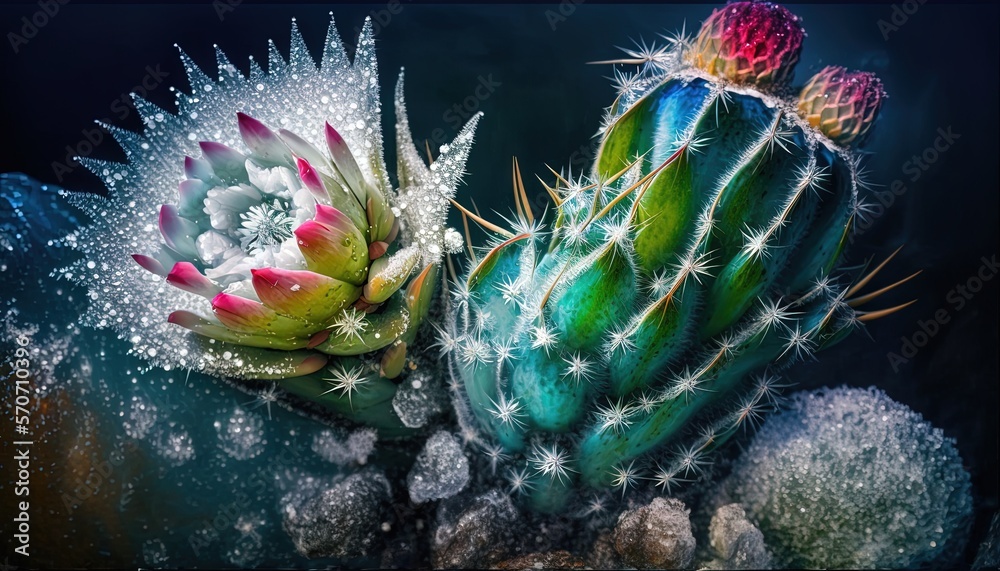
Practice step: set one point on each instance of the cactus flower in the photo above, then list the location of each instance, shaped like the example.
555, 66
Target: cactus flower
275, 245
289, 254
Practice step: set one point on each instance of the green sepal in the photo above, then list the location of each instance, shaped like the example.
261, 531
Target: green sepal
419, 295
381, 329
388, 273
261, 340
344, 200
370, 404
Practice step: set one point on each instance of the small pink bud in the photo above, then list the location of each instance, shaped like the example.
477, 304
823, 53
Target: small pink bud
842, 104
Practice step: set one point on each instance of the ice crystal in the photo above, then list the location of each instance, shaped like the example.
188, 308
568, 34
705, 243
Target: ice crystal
346, 381
241, 435
552, 462
507, 411
425, 191
351, 323
614, 417
343, 449
441, 470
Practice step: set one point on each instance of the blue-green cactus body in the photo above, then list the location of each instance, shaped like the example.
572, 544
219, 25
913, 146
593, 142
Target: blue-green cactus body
697, 253
693, 257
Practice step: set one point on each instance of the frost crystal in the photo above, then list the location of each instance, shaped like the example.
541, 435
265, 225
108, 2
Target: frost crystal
425, 192
141, 418
241, 436
174, 445
345, 449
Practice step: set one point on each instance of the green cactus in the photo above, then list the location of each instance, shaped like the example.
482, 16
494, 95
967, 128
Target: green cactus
698, 252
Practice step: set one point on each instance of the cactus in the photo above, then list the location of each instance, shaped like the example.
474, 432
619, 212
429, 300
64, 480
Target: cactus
700, 250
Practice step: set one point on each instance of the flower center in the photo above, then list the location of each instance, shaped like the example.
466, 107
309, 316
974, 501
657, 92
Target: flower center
265, 226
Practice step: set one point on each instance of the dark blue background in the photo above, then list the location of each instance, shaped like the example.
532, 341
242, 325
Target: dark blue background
939, 67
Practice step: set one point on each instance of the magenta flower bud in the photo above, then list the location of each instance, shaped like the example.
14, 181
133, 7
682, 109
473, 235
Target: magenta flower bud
150, 264
750, 42
302, 294
842, 104
338, 251
198, 168
264, 142
226, 163
242, 314
178, 232
187, 277
310, 178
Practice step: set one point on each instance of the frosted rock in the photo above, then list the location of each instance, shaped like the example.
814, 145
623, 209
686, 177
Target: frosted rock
656, 536
850, 478
340, 521
545, 560
602, 554
736, 541
440, 471
418, 399
473, 534
342, 449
